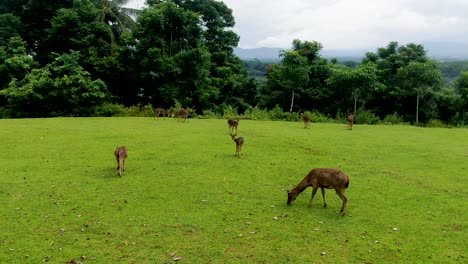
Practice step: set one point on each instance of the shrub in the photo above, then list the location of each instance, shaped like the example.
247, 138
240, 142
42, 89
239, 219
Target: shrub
210, 114
393, 119
108, 110
366, 117
435, 123
256, 114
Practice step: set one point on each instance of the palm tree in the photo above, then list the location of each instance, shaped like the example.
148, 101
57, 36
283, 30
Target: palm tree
119, 18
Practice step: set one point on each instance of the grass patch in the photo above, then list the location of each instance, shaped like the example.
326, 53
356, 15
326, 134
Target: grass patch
184, 196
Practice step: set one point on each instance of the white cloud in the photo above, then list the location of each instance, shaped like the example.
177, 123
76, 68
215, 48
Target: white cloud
345, 24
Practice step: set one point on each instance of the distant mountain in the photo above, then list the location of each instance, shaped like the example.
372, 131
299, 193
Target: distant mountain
435, 50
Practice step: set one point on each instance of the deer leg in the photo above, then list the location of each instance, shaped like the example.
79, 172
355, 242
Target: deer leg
313, 194
323, 195
344, 199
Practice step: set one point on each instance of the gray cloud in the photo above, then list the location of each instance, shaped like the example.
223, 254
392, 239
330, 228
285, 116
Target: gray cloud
345, 24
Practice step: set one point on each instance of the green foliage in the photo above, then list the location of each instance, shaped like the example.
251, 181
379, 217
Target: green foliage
60, 88
435, 123
184, 195
366, 117
393, 119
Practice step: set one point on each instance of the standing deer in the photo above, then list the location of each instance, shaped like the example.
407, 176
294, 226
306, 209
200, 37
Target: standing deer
121, 154
160, 112
350, 120
233, 123
306, 118
322, 178
182, 115
239, 143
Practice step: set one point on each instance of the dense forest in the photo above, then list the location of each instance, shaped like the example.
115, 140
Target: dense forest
88, 57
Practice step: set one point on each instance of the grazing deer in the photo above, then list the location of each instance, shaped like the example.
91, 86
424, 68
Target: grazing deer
182, 115
350, 120
121, 154
233, 123
306, 118
322, 178
239, 143
160, 112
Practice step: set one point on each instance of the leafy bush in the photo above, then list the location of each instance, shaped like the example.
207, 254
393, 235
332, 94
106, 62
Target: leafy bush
393, 119
257, 114
108, 110
210, 114
435, 123
366, 117
318, 117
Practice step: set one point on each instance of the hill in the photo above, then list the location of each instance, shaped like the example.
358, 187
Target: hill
447, 51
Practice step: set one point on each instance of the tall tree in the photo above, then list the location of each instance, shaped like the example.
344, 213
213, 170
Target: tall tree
119, 17
60, 88
388, 99
419, 78
357, 81
295, 72
461, 86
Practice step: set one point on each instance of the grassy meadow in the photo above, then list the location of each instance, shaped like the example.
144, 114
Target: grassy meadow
184, 197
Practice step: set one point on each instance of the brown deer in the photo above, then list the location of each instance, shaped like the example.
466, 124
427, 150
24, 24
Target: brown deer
322, 178
182, 115
233, 123
350, 120
121, 154
160, 112
239, 143
306, 118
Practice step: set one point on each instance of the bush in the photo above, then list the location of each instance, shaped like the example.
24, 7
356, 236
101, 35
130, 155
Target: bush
108, 109
435, 123
257, 114
210, 114
393, 119
366, 117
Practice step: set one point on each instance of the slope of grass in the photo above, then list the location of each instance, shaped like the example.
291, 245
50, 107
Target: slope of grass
184, 196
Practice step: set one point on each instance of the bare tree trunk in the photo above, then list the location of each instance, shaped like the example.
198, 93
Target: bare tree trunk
417, 108
355, 103
292, 102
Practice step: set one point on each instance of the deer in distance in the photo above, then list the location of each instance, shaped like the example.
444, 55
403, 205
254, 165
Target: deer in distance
306, 118
182, 115
350, 120
239, 144
233, 123
121, 154
160, 112
322, 178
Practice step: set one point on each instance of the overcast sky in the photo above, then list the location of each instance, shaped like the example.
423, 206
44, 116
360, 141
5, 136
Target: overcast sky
347, 24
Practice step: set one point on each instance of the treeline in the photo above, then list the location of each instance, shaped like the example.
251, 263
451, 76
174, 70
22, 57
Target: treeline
87, 57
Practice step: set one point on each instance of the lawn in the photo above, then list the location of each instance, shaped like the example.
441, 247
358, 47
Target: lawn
184, 197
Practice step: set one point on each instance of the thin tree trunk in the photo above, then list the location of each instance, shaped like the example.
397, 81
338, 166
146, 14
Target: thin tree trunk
417, 108
355, 103
292, 102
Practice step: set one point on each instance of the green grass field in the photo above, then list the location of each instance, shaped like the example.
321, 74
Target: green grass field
185, 197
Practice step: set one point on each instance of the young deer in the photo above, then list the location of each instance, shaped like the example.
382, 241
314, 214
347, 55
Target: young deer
322, 178
233, 123
306, 118
160, 112
121, 154
350, 120
239, 143
182, 115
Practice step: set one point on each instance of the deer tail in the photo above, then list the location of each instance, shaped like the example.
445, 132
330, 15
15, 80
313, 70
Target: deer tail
347, 183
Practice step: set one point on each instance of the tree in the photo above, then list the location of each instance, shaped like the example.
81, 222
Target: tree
60, 88
388, 98
113, 13
295, 72
461, 87
356, 81
419, 78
